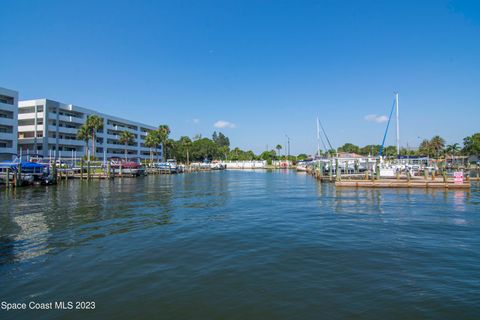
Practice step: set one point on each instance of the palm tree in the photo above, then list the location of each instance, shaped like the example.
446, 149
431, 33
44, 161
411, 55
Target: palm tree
452, 149
186, 143
169, 146
278, 147
94, 123
437, 143
126, 138
84, 134
425, 147
152, 141
163, 132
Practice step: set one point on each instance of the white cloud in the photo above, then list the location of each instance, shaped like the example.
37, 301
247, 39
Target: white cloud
376, 118
224, 124
196, 120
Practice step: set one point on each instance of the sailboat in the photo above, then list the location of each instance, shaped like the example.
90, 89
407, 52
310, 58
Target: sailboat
391, 170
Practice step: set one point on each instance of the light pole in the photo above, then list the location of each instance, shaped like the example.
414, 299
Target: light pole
288, 147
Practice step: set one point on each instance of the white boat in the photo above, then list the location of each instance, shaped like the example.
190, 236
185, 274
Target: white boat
302, 165
172, 163
217, 166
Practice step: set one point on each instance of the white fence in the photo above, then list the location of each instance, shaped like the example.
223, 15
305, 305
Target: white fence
244, 164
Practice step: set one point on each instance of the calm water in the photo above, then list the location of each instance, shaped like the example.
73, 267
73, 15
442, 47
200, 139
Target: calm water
240, 245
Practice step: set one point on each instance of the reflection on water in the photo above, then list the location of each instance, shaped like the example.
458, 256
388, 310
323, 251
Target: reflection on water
252, 244
38, 220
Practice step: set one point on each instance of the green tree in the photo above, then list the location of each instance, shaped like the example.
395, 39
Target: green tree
163, 133
204, 148
220, 139
349, 148
126, 138
371, 149
169, 148
279, 148
425, 148
94, 123
302, 156
471, 145
214, 136
83, 134
268, 156
452, 149
152, 141
437, 144
390, 151
186, 143
223, 151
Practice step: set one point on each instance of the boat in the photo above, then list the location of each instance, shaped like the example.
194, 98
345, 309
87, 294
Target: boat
181, 168
126, 167
172, 163
216, 165
170, 166
30, 171
303, 164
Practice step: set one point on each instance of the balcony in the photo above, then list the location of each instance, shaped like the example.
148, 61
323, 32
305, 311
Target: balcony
66, 142
119, 146
26, 116
30, 128
78, 120
53, 128
8, 150
70, 154
7, 121
7, 136
120, 128
24, 141
8, 107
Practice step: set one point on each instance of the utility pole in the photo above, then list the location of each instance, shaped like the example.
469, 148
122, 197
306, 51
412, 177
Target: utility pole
288, 146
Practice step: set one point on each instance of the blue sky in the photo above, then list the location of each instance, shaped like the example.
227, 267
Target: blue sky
259, 69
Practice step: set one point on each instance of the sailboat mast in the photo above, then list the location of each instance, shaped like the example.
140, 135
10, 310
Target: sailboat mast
318, 138
398, 125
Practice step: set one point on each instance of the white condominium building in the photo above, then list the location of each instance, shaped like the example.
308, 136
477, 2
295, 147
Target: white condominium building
49, 128
8, 123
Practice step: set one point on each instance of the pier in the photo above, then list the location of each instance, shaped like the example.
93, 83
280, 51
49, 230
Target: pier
371, 178
392, 183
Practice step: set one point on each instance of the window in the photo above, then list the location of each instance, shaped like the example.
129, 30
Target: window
6, 99
29, 109
6, 114
6, 129
26, 122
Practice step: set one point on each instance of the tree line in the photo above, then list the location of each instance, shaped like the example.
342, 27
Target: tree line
434, 147
199, 148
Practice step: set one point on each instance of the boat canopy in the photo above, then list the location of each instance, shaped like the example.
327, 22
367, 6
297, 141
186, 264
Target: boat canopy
25, 165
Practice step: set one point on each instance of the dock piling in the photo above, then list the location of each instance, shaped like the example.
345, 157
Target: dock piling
81, 169
8, 178
88, 170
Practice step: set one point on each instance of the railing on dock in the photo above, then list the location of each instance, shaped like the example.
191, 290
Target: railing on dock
350, 174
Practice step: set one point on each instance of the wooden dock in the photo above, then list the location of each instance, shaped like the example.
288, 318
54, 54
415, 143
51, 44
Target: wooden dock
372, 180
393, 183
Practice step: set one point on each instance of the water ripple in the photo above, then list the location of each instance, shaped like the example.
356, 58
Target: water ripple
242, 245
